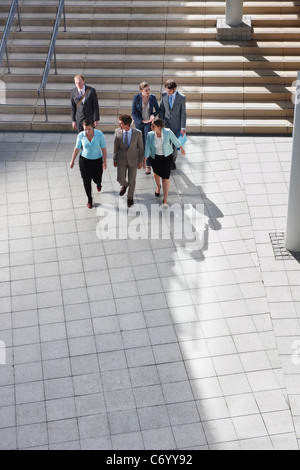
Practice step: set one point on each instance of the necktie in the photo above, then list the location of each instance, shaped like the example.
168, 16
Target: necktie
126, 140
171, 101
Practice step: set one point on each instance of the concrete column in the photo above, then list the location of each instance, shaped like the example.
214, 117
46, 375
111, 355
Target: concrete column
234, 12
293, 219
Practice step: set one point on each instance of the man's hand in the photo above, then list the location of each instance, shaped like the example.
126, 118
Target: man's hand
115, 164
74, 126
140, 165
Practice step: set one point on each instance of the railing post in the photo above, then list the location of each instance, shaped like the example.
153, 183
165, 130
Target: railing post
65, 24
55, 65
45, 104
3, 46
293, 219
234, 12
19, 17
7, 60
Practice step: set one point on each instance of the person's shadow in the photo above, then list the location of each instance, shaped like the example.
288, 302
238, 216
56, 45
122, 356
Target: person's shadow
208, 213
200, 212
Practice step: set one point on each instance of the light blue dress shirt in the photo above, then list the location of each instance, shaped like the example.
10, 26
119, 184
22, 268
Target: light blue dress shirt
91, 150
129, 136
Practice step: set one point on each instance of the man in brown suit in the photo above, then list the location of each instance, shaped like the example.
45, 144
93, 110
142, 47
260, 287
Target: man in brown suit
128, 156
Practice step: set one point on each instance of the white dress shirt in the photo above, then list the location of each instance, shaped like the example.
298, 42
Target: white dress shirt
159, 144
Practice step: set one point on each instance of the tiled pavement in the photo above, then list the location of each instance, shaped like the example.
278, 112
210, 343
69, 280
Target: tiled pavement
147, 344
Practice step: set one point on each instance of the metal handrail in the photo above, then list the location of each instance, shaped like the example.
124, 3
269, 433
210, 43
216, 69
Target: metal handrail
51, 52
3, 47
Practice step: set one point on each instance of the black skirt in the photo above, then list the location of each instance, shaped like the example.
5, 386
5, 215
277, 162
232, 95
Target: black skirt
91, 169
162, 165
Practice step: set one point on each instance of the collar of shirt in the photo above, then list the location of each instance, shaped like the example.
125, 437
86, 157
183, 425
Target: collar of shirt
89, 141
82, 91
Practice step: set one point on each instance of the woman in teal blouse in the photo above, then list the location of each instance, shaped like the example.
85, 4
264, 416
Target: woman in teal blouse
93, 154
160, 150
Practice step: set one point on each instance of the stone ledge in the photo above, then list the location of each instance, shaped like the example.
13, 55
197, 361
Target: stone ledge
242, 32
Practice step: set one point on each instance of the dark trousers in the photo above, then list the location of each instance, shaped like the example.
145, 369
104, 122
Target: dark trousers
91, 170
79, 125
145, 128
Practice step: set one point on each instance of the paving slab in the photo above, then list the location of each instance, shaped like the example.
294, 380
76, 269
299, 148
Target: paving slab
155, 342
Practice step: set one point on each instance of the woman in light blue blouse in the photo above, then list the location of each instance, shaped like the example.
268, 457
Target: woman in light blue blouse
93, 154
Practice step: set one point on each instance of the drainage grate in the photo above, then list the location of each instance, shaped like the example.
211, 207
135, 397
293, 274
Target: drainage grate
280, 251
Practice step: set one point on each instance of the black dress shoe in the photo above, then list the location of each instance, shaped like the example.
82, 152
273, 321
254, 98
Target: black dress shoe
123, 190
130, 202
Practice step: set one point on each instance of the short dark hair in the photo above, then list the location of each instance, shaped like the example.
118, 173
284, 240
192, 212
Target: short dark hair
88, 122
159, 123
171, 84
126, 119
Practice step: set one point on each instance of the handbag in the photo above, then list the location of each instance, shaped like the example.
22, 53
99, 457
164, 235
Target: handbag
182, 140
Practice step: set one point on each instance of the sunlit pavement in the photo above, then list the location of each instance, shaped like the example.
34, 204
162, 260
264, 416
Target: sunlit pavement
148, 342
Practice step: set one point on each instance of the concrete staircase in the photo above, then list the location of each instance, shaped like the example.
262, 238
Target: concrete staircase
241, 87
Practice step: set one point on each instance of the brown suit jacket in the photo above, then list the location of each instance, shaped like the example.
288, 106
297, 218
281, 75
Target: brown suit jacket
134, 154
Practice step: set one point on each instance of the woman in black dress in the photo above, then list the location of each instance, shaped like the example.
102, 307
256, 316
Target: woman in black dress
160, 150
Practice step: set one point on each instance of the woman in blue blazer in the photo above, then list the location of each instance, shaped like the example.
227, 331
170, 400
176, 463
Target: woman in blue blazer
144, 110
159, 151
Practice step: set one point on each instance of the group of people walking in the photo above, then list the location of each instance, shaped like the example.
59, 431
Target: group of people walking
152, 143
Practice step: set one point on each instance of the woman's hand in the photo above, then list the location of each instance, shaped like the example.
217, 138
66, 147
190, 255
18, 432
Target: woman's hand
75, 153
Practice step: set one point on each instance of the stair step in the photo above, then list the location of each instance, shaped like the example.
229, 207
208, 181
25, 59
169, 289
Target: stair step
242, 87
87, 22
189, 64
112, 48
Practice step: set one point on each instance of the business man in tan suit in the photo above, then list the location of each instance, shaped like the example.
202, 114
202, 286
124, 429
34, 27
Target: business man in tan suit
128, 156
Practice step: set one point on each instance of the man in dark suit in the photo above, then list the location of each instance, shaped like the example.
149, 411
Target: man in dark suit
173, 112
84, 104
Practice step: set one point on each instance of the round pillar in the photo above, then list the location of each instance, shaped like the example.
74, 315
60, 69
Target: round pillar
293, 219
234, 12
